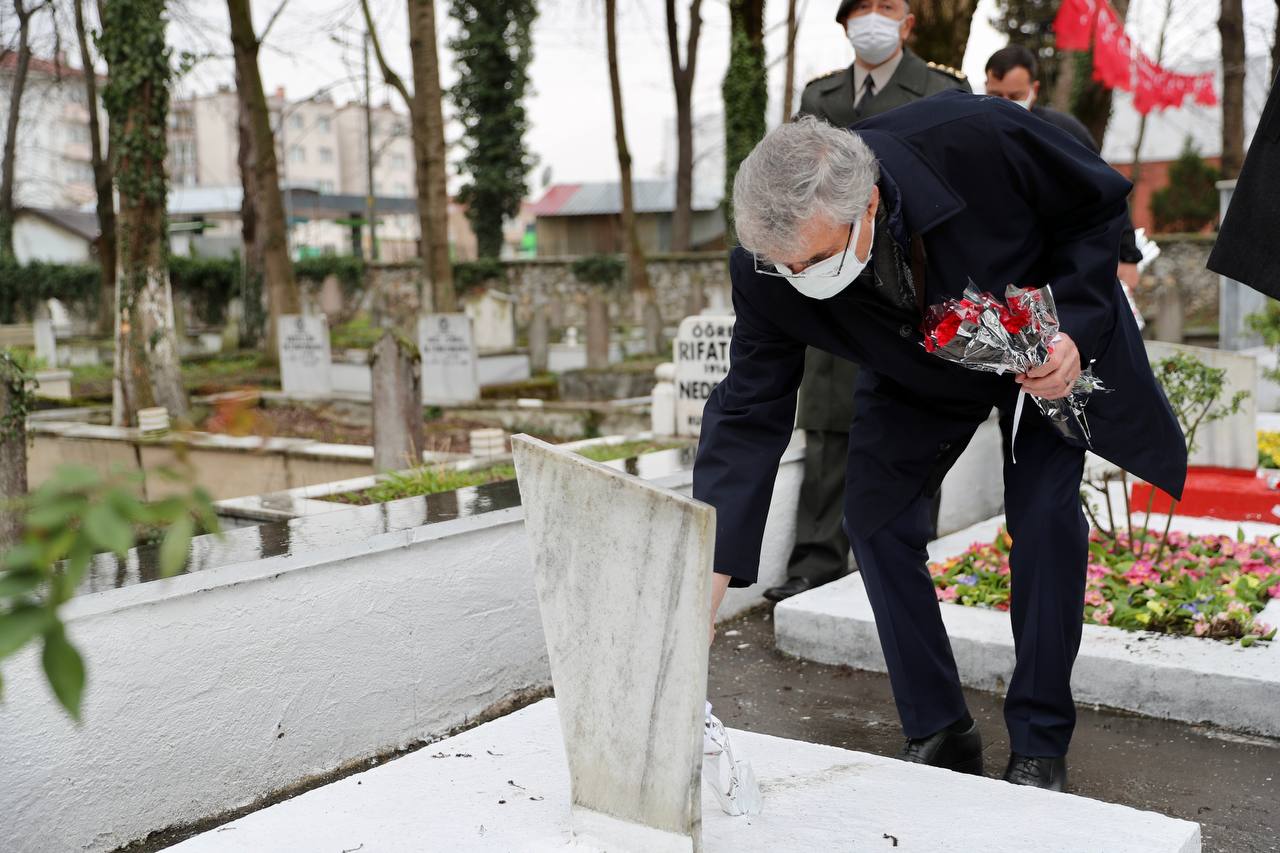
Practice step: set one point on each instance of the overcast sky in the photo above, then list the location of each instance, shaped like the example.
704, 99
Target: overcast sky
315, 44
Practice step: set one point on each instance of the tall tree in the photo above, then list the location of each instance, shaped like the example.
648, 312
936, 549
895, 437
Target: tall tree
682, 78
492, 51
270, 241
1231, 27
427, 120
637, 269
24, 11
101, 163
137, 100
942, 29
1135, 173
744, 90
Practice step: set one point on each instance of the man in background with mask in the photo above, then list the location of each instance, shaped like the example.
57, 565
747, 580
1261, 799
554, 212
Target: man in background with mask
885, 74
1012, 73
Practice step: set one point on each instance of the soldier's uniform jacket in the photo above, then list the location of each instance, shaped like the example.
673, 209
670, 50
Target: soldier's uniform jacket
989, 193
826, 397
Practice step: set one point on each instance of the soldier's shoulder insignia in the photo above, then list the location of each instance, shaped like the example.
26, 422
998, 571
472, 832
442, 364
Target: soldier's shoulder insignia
826, 76
946, 69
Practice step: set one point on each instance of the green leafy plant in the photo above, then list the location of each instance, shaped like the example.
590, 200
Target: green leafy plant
76, 513
604, 270
1190, 201
1195, 393
469, 274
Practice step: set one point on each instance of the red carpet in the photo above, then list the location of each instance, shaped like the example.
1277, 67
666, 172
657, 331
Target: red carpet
1231, 493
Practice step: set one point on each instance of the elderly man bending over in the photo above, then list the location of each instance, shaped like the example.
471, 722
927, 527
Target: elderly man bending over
846, 236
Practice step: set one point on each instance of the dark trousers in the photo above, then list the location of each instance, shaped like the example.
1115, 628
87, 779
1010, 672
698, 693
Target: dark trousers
821, 552
1048, 559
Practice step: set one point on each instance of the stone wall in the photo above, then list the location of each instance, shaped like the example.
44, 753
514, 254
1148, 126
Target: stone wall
1178, 285
677, 279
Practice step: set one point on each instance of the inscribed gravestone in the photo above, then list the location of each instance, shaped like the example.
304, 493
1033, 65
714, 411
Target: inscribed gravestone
304, 355
625, 617
702, 360
448, 349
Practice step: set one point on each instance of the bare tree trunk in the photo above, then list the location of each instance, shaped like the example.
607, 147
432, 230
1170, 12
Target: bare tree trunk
941, 33
250, 222
789, 77
11, 128
1231, 26
1064, 82
637, 271
271, 242
682, 78
13, 454
106, 243
1135, 174
431, 161
426, 118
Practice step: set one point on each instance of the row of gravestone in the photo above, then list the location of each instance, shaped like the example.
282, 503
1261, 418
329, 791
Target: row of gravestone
445, 342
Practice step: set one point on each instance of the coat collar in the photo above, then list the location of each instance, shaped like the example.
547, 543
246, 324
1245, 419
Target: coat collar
925, 198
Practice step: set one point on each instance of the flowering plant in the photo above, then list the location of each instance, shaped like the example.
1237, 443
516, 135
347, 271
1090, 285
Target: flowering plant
982, 333
1203, 586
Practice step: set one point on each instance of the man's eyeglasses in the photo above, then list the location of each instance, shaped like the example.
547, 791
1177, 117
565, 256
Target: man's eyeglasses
764, 266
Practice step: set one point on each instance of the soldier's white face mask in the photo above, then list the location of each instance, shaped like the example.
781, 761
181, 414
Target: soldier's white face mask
874, 37
828, 277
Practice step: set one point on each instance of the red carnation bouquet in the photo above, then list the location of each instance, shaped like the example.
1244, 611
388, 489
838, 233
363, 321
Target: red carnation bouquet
1014, 336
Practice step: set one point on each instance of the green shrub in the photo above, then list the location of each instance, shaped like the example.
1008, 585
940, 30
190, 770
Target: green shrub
606, 270
1190, 201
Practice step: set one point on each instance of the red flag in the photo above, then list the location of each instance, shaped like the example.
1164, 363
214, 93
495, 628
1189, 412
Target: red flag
1204, 91
1110, 65
1073, 27
1145, 92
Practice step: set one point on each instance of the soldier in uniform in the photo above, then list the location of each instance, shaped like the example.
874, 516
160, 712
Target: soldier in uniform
885, 74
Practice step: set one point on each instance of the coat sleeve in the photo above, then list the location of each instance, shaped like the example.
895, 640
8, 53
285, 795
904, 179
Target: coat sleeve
746, 425
1080, 203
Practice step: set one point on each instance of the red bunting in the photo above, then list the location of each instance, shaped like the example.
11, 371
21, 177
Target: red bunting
1117, 64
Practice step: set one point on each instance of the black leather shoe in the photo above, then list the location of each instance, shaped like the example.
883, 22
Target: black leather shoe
1047, 773
958, 751
792, 586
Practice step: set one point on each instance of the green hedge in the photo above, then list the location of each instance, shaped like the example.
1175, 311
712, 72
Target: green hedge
23, 287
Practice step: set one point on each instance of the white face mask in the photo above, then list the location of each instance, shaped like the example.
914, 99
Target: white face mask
817, 281
1026, 102
874, 37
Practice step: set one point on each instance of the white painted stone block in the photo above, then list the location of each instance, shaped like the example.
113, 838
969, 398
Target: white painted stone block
626, 618
1179, 678
304, 355
502, 787
46, 343
1231, 442
702, 360
449, 373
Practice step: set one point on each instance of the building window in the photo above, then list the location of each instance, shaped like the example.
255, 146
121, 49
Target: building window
326, 187
402, 189
295, 121
322, 125
399, 161
297, 154
326, 155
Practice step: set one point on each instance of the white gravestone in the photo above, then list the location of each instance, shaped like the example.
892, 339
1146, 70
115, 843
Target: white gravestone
304, 355
46, 342
493, 315
448, 359
702, 360
1233, 441
625, 617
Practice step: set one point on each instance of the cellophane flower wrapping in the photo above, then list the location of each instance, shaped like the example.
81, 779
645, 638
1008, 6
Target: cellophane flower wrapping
980, 332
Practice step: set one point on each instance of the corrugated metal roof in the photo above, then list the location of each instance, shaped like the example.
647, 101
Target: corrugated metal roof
605, 197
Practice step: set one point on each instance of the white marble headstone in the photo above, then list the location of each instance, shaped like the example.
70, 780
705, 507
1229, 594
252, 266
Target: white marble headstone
46, 342
702, 360
623, 575
449, 373
1231, 442
304, 355
493, 316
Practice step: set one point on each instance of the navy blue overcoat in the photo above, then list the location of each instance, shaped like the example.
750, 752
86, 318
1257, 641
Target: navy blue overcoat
995, 195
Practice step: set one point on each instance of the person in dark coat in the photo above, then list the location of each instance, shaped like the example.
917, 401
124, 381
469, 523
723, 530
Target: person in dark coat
1247, 249
846, 236
1013, 73
885, 74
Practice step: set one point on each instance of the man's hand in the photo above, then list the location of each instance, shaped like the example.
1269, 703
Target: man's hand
1128, 273
1053, 379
